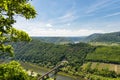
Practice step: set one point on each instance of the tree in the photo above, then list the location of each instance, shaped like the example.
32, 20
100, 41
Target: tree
13, 71
8, 10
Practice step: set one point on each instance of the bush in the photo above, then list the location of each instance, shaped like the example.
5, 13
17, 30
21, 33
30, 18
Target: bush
12, 71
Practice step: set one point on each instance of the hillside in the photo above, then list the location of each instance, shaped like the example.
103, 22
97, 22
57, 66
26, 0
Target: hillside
59, 40
107, 54
49, 55
107, 37
113, 37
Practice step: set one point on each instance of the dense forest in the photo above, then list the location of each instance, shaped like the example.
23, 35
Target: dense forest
48, 54
106, 37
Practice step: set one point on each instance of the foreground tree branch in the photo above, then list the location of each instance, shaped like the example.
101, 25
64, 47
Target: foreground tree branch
9, 9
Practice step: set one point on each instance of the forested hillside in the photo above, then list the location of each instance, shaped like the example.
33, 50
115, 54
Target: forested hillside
108, 54
48, 54
60, 40
113, 37
107, 37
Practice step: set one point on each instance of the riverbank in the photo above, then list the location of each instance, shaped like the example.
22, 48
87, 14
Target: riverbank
42, 70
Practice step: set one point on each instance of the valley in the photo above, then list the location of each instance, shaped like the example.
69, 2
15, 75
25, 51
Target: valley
86, 60
59, 40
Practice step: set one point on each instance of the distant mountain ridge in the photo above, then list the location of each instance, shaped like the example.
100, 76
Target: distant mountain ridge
96, 37
106, 37
59, 40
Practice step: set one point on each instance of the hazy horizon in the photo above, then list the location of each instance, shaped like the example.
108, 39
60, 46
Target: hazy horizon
74, 36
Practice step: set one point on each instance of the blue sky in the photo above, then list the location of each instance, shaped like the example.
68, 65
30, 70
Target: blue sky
72, 17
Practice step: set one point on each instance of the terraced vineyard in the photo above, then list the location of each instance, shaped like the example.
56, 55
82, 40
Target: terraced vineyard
100, 66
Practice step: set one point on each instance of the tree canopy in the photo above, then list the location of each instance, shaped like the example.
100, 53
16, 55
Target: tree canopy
12, 71
9, 9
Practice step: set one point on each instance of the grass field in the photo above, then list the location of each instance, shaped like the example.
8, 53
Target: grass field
111, 67
104, 44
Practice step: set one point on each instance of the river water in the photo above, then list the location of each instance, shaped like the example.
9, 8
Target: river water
59, 77
42, 72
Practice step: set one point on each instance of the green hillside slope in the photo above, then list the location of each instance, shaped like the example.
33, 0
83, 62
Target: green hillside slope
97, 37
107, 37
59, 40
109, 54
48, 54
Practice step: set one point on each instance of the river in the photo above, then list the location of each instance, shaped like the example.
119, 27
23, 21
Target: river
59, 76
37, 69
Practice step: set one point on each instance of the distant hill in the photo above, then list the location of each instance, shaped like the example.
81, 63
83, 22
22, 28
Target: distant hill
96, 37
92, 37
107, 37
59, 40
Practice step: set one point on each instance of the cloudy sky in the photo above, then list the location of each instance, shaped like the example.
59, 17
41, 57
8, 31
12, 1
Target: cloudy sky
72, 17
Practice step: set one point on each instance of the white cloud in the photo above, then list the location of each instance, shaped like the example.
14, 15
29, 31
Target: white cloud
113, 14
49, 29
26, 25
68, 24
49, 25
62, 32
68, 17
100, 5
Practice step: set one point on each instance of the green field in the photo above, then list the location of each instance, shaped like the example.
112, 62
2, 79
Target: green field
107, 54
111, 67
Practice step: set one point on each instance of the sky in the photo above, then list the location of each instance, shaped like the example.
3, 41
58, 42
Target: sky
72, 18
